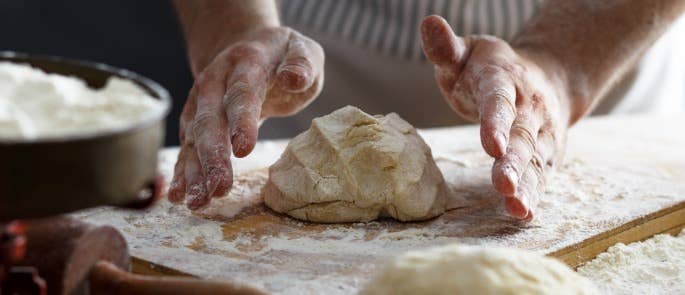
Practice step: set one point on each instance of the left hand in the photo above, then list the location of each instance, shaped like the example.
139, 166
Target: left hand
262, 73
520, 97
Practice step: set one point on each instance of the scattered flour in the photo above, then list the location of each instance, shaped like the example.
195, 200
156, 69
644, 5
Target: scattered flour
655, 266
605, 168
35, 104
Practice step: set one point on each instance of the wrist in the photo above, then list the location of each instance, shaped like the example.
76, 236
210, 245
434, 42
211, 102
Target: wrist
212, 26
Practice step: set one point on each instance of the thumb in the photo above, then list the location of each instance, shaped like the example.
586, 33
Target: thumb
440, 45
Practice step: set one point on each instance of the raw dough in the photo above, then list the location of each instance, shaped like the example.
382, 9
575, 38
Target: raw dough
461, 269
354, 167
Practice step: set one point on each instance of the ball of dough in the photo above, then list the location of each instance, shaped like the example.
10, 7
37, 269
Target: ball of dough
354, 167
460, 269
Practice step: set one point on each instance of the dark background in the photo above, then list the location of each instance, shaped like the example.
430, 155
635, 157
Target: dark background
139, 35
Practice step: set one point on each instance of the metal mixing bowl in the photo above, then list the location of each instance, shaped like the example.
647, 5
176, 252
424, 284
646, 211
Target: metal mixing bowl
51, 176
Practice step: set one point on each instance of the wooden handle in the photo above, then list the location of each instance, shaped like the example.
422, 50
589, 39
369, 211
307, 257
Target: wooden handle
107, 278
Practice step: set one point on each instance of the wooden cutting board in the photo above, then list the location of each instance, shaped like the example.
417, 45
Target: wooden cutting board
623, 180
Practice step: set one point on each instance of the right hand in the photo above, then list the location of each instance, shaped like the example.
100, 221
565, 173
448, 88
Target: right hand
517, 95
267, 72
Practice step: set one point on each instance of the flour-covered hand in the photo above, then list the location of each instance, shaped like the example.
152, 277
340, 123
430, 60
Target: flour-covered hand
268, 72
520, 99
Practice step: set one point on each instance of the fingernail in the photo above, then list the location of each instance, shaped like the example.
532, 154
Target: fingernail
530, 215
237, 140
294, 76
511, 175
240, 144
524, 199
214, 177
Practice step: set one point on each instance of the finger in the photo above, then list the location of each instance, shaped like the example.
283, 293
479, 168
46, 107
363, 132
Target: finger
196, 191
440, 45
210, 131
527, 195
547, 148
243, 104
496, 96
531, 188
214, 156
301, 65
508, 170
188, 114
448, 53
177, 189
213, 151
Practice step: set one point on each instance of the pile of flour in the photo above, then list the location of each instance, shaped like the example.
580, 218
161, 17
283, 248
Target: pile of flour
655, 266
34, 104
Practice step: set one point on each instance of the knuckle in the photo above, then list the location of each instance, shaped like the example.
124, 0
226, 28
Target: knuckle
203, 121
553, 149
485, 72
503, 95
539, 170
247, 50
500, 93
212, 162
298, 63
537, 164
298, 44
204, 81
524, 133
237, 92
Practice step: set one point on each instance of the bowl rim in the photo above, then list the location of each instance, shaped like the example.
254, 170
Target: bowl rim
150, 86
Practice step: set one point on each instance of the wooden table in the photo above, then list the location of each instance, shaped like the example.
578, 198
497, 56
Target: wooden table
623, 180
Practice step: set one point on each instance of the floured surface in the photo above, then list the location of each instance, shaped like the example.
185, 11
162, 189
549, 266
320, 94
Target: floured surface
655, 266
616, 170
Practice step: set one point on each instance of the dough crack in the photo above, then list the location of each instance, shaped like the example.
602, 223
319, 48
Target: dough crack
353, 167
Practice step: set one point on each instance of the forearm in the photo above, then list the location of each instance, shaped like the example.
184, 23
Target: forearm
208, 25
595, 42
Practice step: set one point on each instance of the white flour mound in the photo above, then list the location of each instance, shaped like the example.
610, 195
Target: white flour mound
34, 104
655, 266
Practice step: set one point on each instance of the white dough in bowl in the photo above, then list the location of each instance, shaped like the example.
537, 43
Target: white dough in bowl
460, 269
38, 105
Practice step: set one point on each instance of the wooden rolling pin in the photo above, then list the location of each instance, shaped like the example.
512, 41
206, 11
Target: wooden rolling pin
77, 258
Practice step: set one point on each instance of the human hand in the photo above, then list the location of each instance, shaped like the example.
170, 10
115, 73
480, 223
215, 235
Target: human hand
520, 98
267, 72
